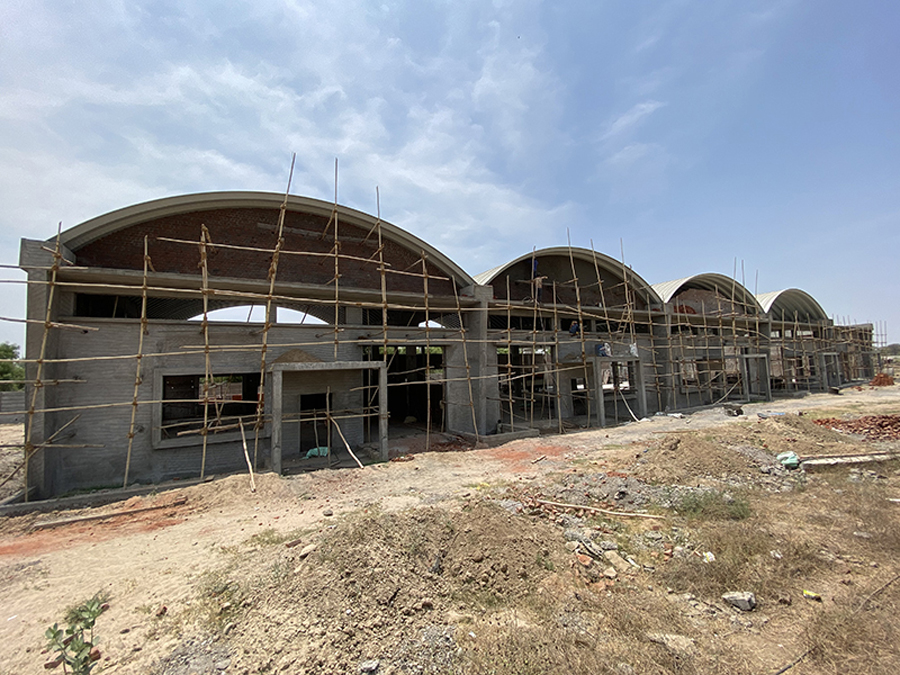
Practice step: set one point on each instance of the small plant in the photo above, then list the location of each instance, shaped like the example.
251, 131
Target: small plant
713, 505
76, 647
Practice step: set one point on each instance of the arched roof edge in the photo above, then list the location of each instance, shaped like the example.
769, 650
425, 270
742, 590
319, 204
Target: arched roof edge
603, 261
708, 281
768, 301
100, 226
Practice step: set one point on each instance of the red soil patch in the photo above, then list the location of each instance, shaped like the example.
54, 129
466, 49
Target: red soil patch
518, 457
35, 542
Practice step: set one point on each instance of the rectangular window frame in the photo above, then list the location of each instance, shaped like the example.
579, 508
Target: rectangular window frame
193, 440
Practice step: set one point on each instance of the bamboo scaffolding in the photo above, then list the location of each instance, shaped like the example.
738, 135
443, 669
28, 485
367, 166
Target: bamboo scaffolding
556, 362
535, 316
337, 264
246, 297
52, 324
273, 273
207, 379
622, 322
137, 374
327, 425
427, 356
35, 448
580, 333
509, 355
706, 355
465, 348
28, 448
271, 251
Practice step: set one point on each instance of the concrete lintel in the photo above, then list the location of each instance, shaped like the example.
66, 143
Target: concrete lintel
328, 365
481, 293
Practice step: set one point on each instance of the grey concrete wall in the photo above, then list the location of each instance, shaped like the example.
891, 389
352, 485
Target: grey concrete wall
172, 347
346, 395
12, 407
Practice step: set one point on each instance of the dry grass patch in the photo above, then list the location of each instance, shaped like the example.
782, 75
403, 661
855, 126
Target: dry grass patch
859, 636
748, 557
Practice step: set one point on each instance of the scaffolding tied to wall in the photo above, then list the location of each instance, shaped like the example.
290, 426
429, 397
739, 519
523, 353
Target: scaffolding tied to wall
559, 339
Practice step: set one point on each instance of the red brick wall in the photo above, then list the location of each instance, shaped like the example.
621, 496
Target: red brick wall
257, 227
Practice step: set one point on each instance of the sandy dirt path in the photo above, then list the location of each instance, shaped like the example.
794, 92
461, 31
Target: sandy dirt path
155, 559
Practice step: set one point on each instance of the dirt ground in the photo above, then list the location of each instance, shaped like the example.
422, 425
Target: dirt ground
455, 562
10, 458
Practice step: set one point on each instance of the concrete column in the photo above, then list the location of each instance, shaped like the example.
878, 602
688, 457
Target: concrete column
277, 381
383, 413
43, 467
640, 389
482, 361
598, 383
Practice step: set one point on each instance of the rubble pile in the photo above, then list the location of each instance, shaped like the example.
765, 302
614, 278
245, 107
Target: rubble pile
882, 380
873, 427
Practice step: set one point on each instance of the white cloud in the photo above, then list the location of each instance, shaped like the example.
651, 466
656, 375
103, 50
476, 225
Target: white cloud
628, 121
430, 120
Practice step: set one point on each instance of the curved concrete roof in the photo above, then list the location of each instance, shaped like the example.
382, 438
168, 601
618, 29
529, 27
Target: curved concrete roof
709, 281
604, 262
790, 303
98, 227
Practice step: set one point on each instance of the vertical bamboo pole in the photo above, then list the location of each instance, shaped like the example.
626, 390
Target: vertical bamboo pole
584, 365
337, 271
605, 318
556, 361
328, 434
462, 334
384, 304
29, 450
629, 307
534, 324
427, 355
706, 360
140, 356
273, 273
207, 378
683, 360
656, 376
509, 355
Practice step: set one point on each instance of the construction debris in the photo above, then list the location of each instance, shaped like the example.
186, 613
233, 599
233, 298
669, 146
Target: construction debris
873, 427
882, 380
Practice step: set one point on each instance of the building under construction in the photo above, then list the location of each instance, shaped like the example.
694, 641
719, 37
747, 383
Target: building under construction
128, 379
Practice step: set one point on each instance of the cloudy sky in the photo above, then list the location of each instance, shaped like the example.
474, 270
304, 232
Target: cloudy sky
697, 134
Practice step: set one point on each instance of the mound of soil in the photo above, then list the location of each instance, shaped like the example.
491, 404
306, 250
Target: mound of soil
689, 458
384, 587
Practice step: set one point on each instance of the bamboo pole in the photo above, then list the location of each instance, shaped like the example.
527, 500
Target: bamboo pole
207, 378
509, 356
465, 348
328, 436
247, 456
706, 360
427, 357
28, 448
534, 324
556, 361
273, 273
337, 269
346, 444
137, 375
587, 388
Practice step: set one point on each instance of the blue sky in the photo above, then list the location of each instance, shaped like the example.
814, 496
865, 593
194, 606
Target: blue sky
695, 133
